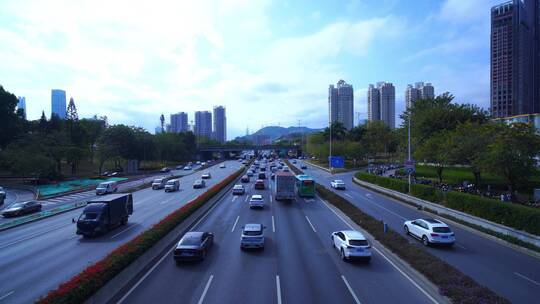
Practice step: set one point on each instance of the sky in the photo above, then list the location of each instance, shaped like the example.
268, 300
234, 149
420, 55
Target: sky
267, 62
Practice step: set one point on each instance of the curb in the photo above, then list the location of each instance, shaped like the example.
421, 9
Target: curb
113, 291
418, 278
442, 211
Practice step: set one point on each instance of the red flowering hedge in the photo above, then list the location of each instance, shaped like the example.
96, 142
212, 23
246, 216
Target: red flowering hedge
85, 284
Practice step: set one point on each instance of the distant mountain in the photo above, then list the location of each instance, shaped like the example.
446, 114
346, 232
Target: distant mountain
275, 132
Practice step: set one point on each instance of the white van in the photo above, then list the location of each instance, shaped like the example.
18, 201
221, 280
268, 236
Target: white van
172, 185
106, 187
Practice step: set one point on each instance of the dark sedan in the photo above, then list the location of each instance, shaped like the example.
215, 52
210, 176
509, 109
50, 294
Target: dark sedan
200, 183
23, 208
193, 246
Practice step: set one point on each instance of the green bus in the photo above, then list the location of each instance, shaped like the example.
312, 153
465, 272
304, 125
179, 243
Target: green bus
305, 186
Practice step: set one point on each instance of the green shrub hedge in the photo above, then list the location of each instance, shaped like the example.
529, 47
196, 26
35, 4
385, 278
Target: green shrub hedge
508, 214
452, 283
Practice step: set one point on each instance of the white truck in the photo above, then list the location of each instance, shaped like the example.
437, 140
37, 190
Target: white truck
284, 186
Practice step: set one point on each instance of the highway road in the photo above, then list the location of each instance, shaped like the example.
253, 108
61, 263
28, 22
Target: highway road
509, 272
16, 195
51, 203
37, 257
298, 264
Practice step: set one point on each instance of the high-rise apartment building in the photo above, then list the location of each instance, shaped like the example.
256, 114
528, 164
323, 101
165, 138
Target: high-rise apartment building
58, 103
220, 124
203, 124
419, 91
341, 104
515, 58
374, 104
382, 103
179, 122
22, 104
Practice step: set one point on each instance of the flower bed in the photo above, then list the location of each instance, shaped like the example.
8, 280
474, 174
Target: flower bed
85, 284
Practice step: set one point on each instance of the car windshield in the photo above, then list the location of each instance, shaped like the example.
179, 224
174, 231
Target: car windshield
442, 229
258, 232
358, 242
171, 183
256, 198
89, 216
190, 241
158, 181
17, 205
102, 185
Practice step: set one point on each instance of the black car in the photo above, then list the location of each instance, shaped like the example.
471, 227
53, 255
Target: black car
303, 166
22, 208
194, 245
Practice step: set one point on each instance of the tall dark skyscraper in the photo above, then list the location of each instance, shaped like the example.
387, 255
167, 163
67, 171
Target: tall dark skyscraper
382, 103
203, 124
220, 124
179, 122
341, 104
515, 58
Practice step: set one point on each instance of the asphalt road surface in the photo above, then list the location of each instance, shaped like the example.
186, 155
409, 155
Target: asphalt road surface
51, 203
298, 264
37, 257
511, 273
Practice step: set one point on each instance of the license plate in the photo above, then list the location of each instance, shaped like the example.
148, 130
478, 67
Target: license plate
187, 254
444, 236
360, 249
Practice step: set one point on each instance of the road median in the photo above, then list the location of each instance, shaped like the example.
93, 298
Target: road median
119, 268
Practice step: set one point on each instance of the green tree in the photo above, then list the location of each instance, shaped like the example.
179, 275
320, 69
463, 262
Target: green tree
435, 150
512, 154
10, 122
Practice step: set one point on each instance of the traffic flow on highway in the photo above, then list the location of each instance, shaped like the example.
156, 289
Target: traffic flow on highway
508, 270
38, 256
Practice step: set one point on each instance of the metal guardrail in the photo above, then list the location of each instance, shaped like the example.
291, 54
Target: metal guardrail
41, 215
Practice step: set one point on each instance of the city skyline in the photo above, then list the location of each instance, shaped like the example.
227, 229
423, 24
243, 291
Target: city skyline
275, 70
341, 104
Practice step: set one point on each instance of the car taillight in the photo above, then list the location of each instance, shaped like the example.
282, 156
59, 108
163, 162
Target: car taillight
434, 234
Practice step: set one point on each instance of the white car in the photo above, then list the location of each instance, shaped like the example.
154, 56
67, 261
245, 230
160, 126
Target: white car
351, 244
206, 175
338, 184
256, 201
238, 190
222, 165
430, 231
187, 168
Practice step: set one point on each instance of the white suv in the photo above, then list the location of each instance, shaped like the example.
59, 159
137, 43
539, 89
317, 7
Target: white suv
351, 244
338, 184
430, 231
256, 201
252, 236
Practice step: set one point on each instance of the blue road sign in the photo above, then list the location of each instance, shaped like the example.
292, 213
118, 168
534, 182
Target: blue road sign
337, 162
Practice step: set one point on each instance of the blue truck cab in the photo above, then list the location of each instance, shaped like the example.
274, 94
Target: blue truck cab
105, 213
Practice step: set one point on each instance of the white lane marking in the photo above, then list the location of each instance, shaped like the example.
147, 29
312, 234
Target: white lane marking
273, 225
307, 218
391, 263
206, 289
235, 222
245, 200
350, 290
348, 195
369, 195
388, 210
7, 295
234, 198
526, 278
31, 236
278, 289
270, 198
161, 260
460, 246
128, 228
270, 185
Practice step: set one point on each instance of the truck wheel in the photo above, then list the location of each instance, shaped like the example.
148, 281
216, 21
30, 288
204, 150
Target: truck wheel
125, 221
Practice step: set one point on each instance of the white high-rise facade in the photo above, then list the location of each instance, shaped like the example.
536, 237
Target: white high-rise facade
179, 122
203, 124
382, 103
341, 104
420, 90
220, 124
58, 103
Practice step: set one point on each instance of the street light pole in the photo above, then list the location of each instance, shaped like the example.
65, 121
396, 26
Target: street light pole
409, 148
330, 152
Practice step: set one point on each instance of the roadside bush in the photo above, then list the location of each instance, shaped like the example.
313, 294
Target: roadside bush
451, 282
508, 214
85, 284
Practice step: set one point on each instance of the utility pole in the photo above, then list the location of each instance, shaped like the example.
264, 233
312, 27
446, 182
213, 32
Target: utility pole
330, 152
409, 150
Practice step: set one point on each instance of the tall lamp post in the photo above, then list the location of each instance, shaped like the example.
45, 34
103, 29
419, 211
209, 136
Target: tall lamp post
330, 152
409, 150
